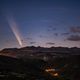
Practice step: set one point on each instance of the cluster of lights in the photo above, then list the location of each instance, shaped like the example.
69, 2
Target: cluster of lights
52, 72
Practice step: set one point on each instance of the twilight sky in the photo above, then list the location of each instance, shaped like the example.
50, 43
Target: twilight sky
40, 23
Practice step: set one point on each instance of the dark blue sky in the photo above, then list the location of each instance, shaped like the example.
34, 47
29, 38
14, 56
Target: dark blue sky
40, 22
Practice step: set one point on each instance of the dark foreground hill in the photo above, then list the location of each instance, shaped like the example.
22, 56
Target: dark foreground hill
16, 69
62, 68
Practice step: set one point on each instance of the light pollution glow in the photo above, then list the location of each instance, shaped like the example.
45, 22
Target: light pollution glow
15, 30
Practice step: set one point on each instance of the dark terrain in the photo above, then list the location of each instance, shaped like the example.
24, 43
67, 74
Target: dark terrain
63, 66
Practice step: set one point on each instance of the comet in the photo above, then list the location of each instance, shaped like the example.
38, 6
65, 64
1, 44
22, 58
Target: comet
15, 30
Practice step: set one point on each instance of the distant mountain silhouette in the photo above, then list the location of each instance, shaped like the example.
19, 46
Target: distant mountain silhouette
34, 51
